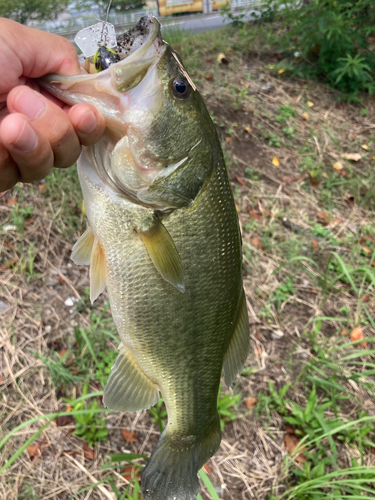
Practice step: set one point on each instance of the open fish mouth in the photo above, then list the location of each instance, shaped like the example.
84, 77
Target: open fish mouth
138, 49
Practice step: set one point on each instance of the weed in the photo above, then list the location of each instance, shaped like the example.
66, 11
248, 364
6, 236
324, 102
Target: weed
226, 404
285, 112
159, 414
282, 293
89, 426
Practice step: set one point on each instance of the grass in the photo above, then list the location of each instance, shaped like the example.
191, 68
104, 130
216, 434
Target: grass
299, 423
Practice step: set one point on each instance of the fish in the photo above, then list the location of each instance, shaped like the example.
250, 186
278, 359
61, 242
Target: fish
163, 238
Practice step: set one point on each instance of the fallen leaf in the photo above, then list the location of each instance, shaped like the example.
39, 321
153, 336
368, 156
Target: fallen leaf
63, 352
290, 430
229, 140
1, 379
42, 187
69, 408
344, 332
367, 250
344, 173
256, 242
250, 402
240, 181
313, 180
323, 217
208, 59
373, 158
352, 156
88, 452
365, 298
83, 208
364, 146
63, 420
209, 76
291, 443
254, 215
34, 451
310, 104
130, 436
357, 334
281, 71
207, 468
315, 245
11, 201
248, 129
306, 116
338, 166
129, 472
275, 161
9, 264
221, 59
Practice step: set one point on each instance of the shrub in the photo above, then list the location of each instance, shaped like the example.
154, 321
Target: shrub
327, 39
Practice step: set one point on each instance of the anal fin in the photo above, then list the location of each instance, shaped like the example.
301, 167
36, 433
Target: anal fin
239, 346
162, 251
128, 387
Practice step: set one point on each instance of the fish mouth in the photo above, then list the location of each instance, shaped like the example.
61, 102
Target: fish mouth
139, 48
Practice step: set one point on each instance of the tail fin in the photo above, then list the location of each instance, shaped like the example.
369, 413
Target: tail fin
172, 471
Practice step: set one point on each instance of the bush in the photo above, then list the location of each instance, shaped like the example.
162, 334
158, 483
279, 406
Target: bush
327, 39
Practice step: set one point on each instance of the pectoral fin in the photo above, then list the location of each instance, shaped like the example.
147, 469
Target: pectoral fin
128, 387
239, 346
81, 253
97, 270
162, 251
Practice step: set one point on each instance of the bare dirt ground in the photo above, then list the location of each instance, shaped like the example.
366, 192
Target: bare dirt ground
301, 215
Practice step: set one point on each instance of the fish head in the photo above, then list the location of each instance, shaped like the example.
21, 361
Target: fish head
160, 145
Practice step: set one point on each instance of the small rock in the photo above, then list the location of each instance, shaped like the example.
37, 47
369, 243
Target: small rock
276, 335
48, 328
70, 301
3, 307
9, 227
52, 283
69, 265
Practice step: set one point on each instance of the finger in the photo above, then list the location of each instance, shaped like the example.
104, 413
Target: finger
88, 123
51, 121
9, 173
27, 146
33, 53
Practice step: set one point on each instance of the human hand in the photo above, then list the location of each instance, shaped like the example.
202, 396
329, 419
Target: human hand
37, 131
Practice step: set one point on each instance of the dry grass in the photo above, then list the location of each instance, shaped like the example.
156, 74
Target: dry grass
38, 226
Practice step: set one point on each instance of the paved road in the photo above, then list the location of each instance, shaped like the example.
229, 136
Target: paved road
196, 24
192, 23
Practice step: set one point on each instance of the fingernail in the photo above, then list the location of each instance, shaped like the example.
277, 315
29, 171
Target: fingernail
88, 123
27, 141
29, 103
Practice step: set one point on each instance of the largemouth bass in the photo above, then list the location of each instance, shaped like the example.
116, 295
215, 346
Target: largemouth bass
164, 239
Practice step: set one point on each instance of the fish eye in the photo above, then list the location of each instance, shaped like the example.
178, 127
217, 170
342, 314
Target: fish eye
181, 87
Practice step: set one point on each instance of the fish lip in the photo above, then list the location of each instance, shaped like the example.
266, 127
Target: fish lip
128, 60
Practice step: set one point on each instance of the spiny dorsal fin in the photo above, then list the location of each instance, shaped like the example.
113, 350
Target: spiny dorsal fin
162, 251
128, 387
98, 270
239, 346
81, 252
